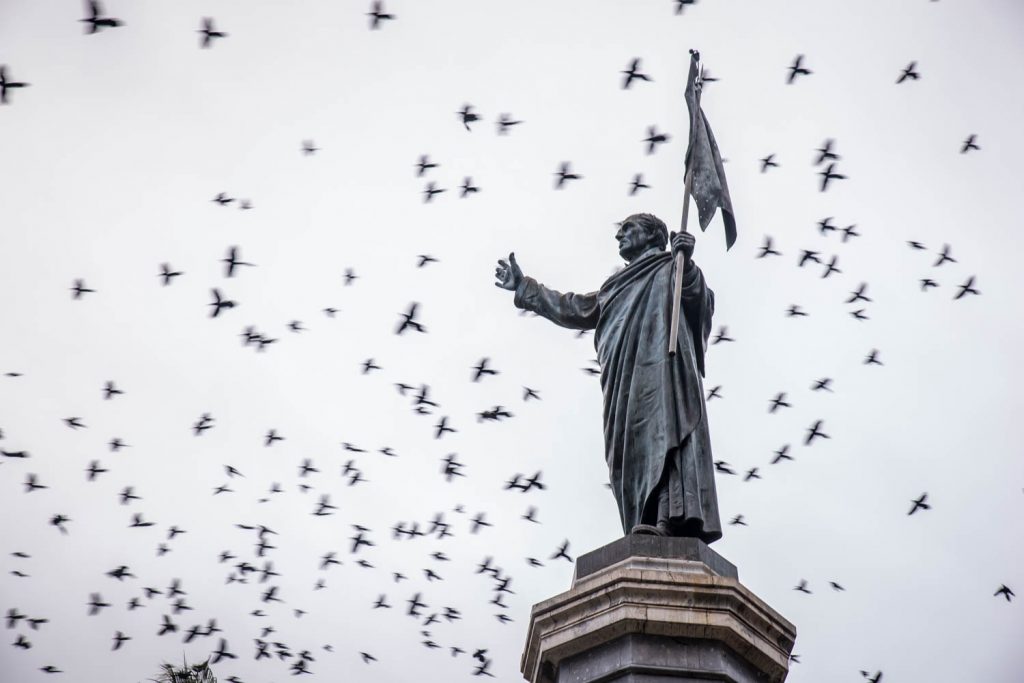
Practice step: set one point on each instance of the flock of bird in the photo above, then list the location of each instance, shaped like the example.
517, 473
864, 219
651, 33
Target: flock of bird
250, 560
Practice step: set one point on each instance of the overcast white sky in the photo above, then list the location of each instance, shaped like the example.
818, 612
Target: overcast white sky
109, 162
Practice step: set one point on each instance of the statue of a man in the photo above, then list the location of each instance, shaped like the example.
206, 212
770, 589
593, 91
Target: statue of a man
655, 423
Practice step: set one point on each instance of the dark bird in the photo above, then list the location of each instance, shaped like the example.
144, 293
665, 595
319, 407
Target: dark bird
828, 175
822, 384
222, 652
409, 320
208, 33
654, 138
722, 335
944, 256
369, 365
350, 276
481, 369
7, 84
441, 427
430, 190
859, 314
723, 467
915, 245
908, 72
467, 188
562, 552
58, 521
94, 469
31, 483
802, 587
768, 162
814, 432
415, 606
797, 69
96, 21
564, 174
766, 248
637, 184
1005, 591
139, 523
836, 587
96, 603
969, 144
377, 14
966, 288
825, 225
778, 402
714, 392
74, 422
78, 288
219, 303
467, 116
223, 199
505, 121
424, 165
632, 73
858, 294
271, 437
751, 474
738, 521
681, 5
109, 391
919, 504
529, 393
231, 262
309, 147
825, 153
782, 454
167, 274
479, 521
872, 358
424, 259
872, 679
849, 232
807, 255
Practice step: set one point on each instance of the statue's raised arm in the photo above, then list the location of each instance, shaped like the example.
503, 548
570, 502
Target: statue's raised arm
575, 311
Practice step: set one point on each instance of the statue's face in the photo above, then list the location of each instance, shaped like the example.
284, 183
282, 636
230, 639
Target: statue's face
633, 239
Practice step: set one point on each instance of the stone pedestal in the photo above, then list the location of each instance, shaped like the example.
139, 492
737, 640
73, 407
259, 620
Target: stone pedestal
647, 609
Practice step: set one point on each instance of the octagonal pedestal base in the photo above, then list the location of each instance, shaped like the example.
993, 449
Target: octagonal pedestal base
656, 610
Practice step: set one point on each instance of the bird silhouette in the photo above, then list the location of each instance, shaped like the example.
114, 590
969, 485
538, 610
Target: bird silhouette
909, 72
378, 15
7, 84
797, 69
208, 33
95, 22
633, 73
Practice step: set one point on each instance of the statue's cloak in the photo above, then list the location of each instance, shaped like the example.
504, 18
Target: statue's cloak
655, 422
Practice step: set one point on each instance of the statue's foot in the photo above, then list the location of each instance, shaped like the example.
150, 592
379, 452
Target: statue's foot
646, 530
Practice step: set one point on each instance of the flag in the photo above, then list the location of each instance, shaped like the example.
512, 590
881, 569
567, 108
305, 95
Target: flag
707, 186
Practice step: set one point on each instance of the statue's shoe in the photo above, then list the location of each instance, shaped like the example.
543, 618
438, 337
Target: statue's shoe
647, 530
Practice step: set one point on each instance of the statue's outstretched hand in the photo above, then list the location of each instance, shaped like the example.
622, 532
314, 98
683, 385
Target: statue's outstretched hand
508, 273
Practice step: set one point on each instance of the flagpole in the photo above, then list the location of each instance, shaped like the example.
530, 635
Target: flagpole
680, 264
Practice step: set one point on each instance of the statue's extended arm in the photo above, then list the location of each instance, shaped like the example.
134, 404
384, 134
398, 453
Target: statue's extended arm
575, 311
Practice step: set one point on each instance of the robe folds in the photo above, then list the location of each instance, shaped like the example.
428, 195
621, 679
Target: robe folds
657, 444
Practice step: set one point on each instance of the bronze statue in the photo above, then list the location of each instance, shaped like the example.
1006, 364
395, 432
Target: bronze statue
655, 423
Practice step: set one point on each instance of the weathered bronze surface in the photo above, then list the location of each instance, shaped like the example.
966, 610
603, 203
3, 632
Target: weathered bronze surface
655, 423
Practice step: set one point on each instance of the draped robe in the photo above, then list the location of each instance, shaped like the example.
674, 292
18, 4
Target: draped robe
657, 444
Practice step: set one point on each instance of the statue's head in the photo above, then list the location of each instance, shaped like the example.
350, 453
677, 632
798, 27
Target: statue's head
640, 232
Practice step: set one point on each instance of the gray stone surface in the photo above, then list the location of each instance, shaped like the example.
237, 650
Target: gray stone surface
655, 620
640, 545
640, 657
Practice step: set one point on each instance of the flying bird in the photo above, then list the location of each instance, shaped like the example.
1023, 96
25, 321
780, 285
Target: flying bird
909, 72
409, 320
966, 288
377, 14
633, 73
467, 116
564, 174
96, 21
768, 162
7, 84
828, 175
209, 33
797, 69
919, 504
654, 138
969, 144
